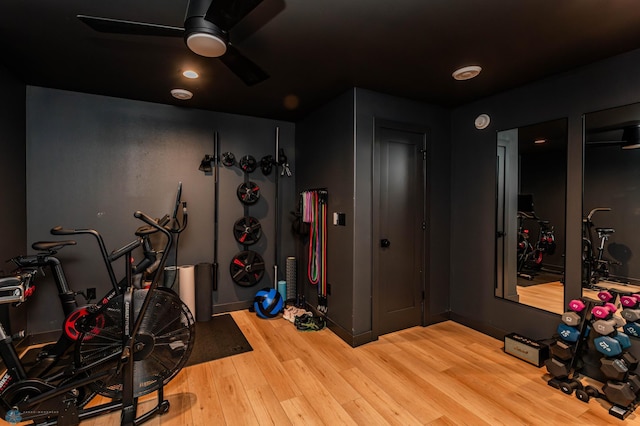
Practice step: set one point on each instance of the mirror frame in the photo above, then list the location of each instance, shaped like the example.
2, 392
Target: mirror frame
556, 133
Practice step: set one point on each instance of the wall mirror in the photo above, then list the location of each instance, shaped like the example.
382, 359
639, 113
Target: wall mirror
530, 214
611, 200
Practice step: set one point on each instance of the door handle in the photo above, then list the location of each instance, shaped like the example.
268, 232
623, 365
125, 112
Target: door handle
385, 243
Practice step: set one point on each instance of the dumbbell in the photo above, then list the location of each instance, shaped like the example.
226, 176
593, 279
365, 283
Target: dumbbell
587, 393
614, 369
557, 369
631, 360
632, 329
612, 345
568, 333
608, 346
619, 393
605, 296
631, 315
577, 305
571, 318
630, 301
562, 350
569, 386
605, 326
634, 382
623, 339
604, 311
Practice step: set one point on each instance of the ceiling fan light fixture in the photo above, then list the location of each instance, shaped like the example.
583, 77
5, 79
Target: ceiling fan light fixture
190, 74
466, 73
182, 94
207, 45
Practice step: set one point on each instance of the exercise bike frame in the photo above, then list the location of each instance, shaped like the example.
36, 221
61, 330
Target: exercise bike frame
594, 266
69, 302
67, 412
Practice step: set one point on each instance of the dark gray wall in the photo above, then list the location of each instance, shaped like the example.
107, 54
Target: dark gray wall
324, 159
370, 106
611, 180
13, 224
601, 85
94, 160
335, 149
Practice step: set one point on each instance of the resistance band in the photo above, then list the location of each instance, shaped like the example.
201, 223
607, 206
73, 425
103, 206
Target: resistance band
314, 212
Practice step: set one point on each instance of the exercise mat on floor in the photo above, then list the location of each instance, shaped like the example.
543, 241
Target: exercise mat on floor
218, 338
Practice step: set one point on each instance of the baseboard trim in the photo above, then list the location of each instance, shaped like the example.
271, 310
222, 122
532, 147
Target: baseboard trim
478, 326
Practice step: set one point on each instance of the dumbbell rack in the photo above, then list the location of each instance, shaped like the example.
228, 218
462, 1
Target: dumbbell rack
589, 331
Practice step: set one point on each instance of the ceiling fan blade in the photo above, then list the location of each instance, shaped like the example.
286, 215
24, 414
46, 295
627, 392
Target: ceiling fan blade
246, 70
226, 13
119, 26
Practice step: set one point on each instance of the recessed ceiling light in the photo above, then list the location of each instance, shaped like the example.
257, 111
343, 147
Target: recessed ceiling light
181, 94
466, 73
539, 141
190, 74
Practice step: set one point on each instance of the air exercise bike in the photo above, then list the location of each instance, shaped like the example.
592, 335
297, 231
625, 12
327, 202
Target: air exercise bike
595, 267
530, 255
130, 343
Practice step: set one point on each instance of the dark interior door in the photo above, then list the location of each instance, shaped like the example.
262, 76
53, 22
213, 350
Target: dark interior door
399, 228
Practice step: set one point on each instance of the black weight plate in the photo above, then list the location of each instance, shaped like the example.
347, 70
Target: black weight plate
248, 164
228, 159
247, 268
248, 192
247, 230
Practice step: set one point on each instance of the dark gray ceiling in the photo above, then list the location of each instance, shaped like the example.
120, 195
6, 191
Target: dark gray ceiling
314, 50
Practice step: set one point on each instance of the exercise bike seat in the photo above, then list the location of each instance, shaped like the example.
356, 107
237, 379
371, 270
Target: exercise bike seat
605, 231
51, 246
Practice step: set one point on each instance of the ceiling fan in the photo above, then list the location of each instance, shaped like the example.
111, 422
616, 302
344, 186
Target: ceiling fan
206, 32
626, 135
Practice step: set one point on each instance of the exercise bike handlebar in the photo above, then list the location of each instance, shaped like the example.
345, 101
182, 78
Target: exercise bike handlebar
59, 230
154, 224
597, 209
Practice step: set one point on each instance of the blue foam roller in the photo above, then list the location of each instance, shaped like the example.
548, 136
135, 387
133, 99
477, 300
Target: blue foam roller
568, 333
608, 346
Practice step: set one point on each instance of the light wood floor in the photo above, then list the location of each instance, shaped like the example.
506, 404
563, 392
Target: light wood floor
444, 374
550, 296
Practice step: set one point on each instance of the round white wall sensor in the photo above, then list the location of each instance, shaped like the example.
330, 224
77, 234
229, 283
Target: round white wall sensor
181, 94
482, 121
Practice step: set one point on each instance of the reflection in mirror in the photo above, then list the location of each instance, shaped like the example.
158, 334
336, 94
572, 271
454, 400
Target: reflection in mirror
611, 201
530, 214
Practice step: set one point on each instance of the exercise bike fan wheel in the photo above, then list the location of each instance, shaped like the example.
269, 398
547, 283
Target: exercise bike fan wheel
162, 346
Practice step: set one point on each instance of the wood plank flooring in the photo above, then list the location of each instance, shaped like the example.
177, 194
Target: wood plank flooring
444, 374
